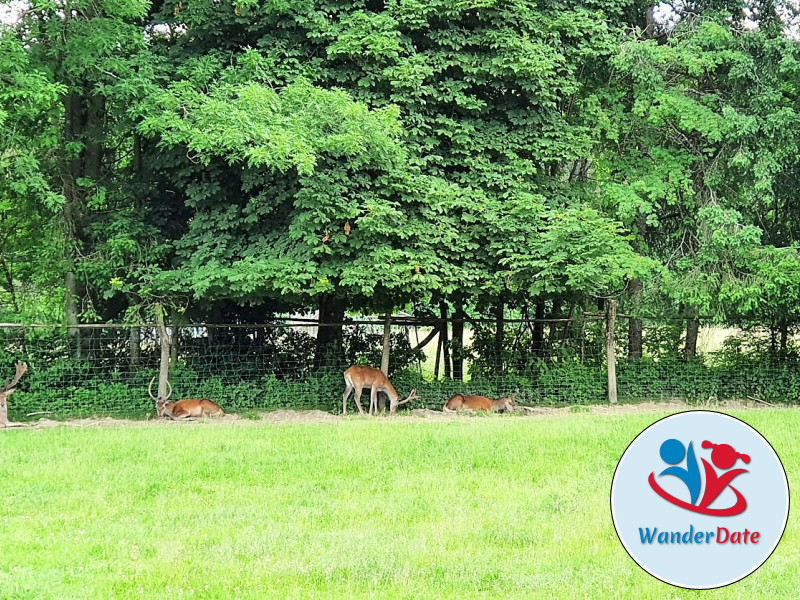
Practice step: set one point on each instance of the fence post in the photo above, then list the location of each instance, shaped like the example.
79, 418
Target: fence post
387, 338
611, 360
387, 332
72, 314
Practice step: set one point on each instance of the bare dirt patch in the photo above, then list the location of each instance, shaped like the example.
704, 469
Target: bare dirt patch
294, 417
276, 417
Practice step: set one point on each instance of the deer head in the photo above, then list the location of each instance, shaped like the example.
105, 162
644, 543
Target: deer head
507, 404
161, 403
412, 396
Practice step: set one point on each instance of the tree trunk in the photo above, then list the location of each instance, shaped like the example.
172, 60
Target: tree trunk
84, 118
173, 345
71, 310
135, 346
95, 108
329, 351
136, 160
784, 336
438, 354
552, 328
611, 359
174, 338
692, 329
538, 329
635, 324
12, 290
499, 334
211, 337
420, 345
164, 339
636, 289
458, 342
448, 372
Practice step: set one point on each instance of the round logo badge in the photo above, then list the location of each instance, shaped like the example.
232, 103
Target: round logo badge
699, 500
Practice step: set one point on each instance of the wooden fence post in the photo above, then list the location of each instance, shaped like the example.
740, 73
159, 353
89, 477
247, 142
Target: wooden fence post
387, 332
611, 360
387, 338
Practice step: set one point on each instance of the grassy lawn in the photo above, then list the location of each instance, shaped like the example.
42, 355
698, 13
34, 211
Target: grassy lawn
498, 507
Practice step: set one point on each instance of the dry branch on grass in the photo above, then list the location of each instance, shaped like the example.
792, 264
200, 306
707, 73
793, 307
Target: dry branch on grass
759, 400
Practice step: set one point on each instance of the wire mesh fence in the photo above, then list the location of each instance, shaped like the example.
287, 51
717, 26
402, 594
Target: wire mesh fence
105, 370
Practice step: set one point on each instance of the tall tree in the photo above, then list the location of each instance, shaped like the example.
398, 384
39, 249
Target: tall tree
30, 238
488, 98
701, 132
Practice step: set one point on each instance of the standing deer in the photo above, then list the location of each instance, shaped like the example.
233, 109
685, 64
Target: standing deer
358, 377
461, 402
9, 389
184, 409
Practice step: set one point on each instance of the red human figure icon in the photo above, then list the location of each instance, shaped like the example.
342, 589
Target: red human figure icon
724, 457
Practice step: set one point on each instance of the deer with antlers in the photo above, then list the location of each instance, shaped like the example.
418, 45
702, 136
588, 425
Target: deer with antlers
358, 377
184, 409
9, 389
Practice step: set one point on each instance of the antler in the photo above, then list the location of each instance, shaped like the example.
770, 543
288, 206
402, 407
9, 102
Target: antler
150, 389
22, 368
411, 396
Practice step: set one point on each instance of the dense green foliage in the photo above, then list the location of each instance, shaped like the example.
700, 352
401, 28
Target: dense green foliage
457, 159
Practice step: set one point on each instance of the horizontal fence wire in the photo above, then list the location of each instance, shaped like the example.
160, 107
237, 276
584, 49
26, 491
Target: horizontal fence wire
105, 370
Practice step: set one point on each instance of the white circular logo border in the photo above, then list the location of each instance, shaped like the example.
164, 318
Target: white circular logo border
742, 576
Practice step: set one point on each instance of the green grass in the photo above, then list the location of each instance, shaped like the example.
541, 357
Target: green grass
382, 508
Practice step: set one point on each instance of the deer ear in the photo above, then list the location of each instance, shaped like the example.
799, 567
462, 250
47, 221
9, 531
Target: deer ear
11, 391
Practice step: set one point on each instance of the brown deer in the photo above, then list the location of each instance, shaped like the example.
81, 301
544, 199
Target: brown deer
184, 409
461, 402
9, 389
358, 377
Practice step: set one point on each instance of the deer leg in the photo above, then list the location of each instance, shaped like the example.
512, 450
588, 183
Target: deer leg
345, 396
358, 401
373, 400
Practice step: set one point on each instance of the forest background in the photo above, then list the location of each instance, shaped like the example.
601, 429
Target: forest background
509, 167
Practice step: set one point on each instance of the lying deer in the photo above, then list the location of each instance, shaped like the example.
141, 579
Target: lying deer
9, 389
461, 402
184, 409
358, 377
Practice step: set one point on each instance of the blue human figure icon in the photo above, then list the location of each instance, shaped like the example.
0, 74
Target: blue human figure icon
672, 452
